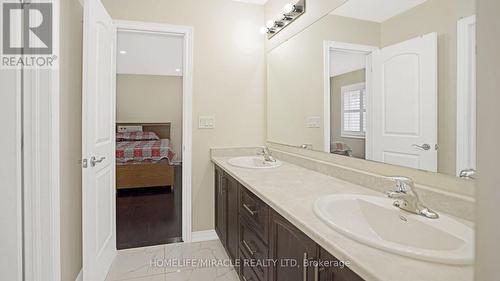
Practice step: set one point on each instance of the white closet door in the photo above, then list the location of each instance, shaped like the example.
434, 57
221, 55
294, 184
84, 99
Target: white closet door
404, 104
99, 76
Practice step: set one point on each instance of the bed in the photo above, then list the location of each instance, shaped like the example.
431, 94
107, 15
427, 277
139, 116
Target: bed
144, 159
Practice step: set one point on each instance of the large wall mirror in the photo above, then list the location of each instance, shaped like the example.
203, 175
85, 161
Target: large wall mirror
387, 81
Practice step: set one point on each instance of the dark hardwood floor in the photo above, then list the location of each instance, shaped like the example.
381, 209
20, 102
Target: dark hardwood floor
149, 216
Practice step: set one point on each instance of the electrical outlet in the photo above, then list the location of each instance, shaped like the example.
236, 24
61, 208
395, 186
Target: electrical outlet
206, 122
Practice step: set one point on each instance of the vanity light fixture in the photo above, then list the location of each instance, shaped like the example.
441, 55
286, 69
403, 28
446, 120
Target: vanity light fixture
289, 8
290, 13
270, 24
279, 23
285, 17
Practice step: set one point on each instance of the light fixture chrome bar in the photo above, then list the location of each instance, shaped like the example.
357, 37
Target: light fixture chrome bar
290, 13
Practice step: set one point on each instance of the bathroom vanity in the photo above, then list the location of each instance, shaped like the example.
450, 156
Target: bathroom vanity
268, 214
351, 101
252, 231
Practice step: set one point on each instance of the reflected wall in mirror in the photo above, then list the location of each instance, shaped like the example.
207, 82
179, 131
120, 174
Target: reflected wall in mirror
388, 81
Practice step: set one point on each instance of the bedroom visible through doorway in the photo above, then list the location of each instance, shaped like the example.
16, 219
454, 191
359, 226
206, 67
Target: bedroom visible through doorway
149, 144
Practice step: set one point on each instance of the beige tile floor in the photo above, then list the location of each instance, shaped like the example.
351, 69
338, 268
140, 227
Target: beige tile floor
150, 263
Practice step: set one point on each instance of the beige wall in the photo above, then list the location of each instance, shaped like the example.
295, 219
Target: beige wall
336, 83
439, 16
151, 98
229, 78
488, 115
71, 138
295, 77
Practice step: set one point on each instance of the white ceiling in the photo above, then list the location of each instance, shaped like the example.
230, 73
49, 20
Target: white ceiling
345, 62
149, 54
258, 2
375, 10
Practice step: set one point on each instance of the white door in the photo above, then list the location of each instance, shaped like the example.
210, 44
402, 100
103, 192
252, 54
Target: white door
466, 94
99, 230
403, 105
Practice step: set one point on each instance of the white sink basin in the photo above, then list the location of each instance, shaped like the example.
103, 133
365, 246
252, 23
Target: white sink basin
253, 162
375, 222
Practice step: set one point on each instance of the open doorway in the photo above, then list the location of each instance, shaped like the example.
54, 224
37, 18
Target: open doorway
149, 142
347, 87
99, 131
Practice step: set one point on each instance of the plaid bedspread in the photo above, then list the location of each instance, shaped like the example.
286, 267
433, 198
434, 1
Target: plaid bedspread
138, 151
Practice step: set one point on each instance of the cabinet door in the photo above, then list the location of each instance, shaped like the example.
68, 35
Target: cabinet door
335, 272
290, 248
221, 205
232, 217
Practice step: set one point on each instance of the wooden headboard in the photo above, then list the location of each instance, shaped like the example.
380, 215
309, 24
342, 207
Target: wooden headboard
161, 129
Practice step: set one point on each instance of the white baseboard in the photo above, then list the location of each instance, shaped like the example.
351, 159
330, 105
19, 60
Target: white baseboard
205, 235
80, 276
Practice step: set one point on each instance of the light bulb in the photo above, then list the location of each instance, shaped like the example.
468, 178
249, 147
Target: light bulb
123, 52
270, 24
263, 30
288, 8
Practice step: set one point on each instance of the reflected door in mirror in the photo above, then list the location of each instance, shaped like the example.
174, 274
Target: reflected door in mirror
403, 104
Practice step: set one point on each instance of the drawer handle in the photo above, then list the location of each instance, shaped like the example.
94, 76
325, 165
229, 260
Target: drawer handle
316, 272
247, 246
249, 210
304, 267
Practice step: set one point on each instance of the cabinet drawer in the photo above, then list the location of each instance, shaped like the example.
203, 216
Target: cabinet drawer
247, 273
256, 212
255, 251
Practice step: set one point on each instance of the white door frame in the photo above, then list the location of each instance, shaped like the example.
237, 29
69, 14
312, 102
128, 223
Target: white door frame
40, 151
187, 108
466, 95
329, 46
11, 175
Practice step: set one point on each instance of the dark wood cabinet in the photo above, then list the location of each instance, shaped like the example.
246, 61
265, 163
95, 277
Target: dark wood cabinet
254, 251
226, 211
336, 271
256, 213
221, 205
254, 233
232, 218
291, 249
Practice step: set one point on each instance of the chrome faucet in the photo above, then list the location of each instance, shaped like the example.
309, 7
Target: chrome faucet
408, 199
469, 174
268, 157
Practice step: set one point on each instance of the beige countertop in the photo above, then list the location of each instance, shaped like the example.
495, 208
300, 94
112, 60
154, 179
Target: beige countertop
291, 191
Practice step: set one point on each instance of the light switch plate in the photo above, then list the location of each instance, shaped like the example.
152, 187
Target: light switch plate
313, 122
206, 122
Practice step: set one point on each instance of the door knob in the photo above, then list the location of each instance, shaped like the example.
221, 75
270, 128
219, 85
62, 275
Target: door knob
424, 146
94, 161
